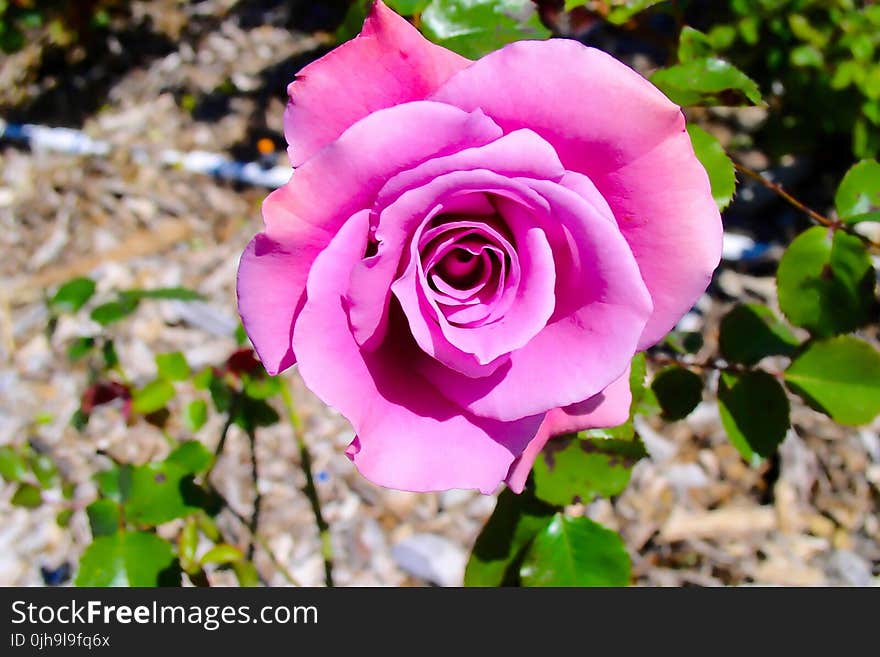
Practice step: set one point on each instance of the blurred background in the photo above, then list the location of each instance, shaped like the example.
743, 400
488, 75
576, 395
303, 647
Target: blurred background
168, 100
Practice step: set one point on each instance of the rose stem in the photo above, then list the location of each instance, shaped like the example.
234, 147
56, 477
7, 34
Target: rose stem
791, 200
311, 492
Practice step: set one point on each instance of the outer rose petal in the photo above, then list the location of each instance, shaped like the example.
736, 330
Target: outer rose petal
409, 436
607, 409
387, 64
302, 216
628, 138
267, 302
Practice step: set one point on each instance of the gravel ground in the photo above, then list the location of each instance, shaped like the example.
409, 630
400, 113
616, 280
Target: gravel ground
213, 79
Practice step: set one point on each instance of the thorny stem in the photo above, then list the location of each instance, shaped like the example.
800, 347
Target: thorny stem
230, 420
791, 200
309, 489
258, 498
251, 525
709, 364
260, 540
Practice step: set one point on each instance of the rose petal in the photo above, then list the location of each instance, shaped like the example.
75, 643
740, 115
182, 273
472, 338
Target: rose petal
577, 355
520, 153
302, 216
267, 302
607, 409
409, 436
389, 63
628, 138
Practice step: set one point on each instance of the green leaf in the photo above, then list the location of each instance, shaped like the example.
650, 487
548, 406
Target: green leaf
196, 414
474, 28
253, 413
263, 387
73, 295
826, 283
128, 559
160, 492
750, 332
839, 377
192, 456
113, 311
79, 348
408, 7
27, 496
63, 518
246, 573
152, 397
575, 470
711, 155
44, 469
177, 293
221, 554
754, 411
708, 81
172, 366
693, 44
105, 517
12, 464
115, 482
626, 431
678, 392
240, 335
111, 358
861, 218
202, 379
576, 552
859, 193
187, 543
623, 11
497, 552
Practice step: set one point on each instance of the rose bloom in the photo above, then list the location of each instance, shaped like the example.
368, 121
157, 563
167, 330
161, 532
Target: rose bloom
468, 254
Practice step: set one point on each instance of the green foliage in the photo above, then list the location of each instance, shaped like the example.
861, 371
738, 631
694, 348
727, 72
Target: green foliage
73, 295
624, 11
858, 196
152, 397
822, 58
113, 311
196, 414
221, 554
750, 332
754, 411
192, 456
27, 495
579, 470
719, 168
128, 559
105, 517
475, 27
576, 552
678, 391
164, 490
13, 466
839, 377
826, 282
173, 366
709, 81
171, 293
693, 44
498, 551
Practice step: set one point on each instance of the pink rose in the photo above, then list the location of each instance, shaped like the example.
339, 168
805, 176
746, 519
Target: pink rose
469, 254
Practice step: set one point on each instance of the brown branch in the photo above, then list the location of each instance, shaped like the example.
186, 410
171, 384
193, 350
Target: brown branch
795, 203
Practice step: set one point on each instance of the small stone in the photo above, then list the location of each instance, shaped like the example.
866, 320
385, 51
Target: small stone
432, 558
